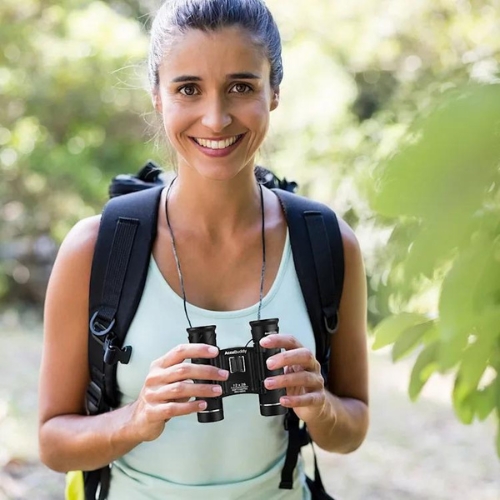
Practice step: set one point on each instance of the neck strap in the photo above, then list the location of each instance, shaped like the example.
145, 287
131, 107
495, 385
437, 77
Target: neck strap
178, 264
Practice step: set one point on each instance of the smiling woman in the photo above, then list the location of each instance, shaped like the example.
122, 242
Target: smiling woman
222, 256
215, 102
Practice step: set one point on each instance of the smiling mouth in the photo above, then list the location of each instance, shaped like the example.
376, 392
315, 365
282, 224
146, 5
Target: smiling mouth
215, 145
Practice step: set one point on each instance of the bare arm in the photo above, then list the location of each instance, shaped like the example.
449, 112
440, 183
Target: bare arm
343, 424
337, 418
68, 438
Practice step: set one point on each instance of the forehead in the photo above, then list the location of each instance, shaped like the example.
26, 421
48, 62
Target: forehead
212, 53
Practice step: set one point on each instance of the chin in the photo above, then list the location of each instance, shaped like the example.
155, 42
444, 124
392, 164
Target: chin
221, 172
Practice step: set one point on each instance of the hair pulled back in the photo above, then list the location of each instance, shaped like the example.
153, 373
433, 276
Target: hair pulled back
178, 16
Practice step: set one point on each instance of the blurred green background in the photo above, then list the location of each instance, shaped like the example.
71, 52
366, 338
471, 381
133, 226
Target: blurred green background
390, 113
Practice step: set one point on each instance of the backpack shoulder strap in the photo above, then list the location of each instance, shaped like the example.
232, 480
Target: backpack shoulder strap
318, 256
119, 269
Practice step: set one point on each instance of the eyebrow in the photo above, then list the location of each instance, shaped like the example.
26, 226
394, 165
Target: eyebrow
232, 76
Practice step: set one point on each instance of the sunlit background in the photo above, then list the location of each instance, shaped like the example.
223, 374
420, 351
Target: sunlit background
389, 113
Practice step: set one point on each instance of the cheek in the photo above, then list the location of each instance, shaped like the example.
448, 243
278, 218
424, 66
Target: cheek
256, 114
175, 119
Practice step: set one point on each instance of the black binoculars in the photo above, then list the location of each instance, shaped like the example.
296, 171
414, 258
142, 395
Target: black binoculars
247, 370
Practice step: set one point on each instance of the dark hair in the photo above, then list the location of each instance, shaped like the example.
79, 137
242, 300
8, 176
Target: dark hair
176, 16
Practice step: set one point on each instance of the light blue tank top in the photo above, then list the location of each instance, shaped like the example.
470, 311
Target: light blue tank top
240, 457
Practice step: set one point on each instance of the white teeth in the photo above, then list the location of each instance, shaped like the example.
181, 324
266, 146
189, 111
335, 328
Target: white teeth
217, 144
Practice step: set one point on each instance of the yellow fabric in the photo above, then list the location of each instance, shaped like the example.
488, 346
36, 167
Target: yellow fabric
74, 486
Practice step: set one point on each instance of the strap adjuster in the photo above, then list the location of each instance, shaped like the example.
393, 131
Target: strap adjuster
94, 398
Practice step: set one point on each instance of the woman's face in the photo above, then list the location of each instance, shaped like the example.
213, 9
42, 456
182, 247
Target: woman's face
215, 98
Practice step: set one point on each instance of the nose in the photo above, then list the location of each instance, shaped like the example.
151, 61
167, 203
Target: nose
216, 114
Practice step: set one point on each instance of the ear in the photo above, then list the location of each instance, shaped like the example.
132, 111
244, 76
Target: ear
157, 101
275, 99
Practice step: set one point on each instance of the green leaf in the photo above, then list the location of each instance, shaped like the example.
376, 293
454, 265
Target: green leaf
424, 367
410, 338
456, 307
452, 157
485, 399
388, 330
474, 361
464, 410
451, 352
461, 399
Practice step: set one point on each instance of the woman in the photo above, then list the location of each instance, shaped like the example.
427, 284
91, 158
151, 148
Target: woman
215, 70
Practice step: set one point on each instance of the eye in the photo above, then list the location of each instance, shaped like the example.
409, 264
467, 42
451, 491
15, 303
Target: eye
188, 90
241, 88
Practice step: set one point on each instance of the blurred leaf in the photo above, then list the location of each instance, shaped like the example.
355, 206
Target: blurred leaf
457, 303
474, 362
410, 338
463, 405
485, 399
425, 365
391, 328
450, 161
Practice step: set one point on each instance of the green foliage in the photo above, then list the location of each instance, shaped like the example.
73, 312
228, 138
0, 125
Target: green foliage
444, 182
71, 102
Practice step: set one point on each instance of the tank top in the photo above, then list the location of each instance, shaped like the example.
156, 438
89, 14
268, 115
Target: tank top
240, 457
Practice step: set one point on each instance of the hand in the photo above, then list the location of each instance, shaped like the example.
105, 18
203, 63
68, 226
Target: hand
169, 389
305, 388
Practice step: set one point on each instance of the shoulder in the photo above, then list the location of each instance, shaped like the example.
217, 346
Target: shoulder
74, 258
81, 239
349, 240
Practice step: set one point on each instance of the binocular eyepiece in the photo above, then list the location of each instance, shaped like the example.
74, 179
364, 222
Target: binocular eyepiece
247, 370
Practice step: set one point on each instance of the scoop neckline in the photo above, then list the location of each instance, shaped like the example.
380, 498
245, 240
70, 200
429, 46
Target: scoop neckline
285, 256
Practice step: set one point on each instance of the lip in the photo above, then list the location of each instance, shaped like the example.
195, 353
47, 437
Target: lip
218, 153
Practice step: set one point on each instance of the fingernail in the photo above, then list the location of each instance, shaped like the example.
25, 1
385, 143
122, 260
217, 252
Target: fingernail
217, 389
264, 341
213, 350
224, 373
271, 363
284, 401
202, 405
270, 382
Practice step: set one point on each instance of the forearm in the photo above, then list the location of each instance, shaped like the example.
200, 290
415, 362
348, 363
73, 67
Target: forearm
341, 426
80, 442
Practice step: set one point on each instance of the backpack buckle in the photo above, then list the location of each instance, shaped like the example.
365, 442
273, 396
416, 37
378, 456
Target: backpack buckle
115, 354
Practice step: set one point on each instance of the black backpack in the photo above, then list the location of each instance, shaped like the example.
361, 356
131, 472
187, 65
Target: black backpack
119, 268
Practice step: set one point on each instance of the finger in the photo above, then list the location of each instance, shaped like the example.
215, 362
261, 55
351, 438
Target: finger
308, 399
183, 391
301, 356
280, 340
182, 352
295, 379
185, 371
169, 410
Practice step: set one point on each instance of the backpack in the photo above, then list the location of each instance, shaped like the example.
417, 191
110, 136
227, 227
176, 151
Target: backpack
119, 268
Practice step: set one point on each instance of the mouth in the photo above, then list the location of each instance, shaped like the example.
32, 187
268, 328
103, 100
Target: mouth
216, 145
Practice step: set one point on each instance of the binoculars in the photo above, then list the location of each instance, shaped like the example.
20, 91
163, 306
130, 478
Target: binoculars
247, 370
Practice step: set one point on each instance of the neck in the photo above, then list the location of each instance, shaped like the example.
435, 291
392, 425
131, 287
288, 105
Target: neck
215, 208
